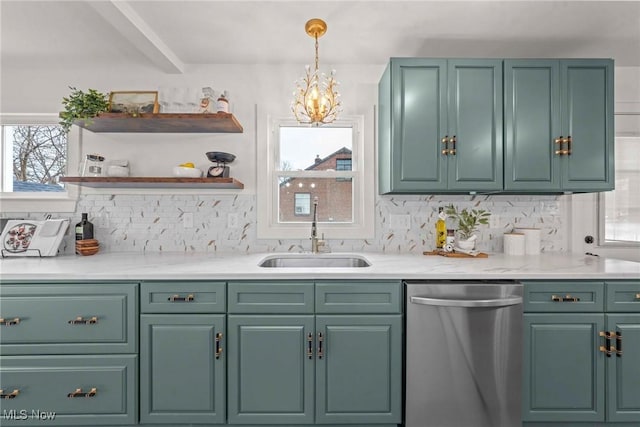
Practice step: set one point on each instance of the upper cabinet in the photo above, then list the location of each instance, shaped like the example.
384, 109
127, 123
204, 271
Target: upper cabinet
163, 123
441, 126
559, 125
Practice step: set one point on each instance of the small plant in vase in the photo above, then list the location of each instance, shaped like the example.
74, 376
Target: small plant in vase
468, 222
81, 105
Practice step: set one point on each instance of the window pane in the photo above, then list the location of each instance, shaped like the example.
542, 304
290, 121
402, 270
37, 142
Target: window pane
303, 148
39, 156
622, 206
302, 205
335, 199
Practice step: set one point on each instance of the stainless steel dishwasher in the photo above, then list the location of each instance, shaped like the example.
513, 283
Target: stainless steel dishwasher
463, 354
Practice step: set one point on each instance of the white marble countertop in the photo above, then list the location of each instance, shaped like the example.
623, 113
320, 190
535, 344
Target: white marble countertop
207, 266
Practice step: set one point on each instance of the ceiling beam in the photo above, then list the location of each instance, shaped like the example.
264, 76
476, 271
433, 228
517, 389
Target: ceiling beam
127, 21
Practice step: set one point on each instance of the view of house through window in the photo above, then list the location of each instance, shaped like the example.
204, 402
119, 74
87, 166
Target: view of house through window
34, 157
620, 209
315, 162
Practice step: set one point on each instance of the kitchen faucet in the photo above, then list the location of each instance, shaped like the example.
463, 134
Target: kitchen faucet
314, 227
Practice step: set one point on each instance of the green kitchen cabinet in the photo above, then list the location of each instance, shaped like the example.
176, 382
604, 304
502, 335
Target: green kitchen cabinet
563, 368
581, 352
558, 125
440, 126
271, 374
182, 369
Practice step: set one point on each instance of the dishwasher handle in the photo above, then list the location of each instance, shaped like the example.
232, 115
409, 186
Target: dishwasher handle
499, 302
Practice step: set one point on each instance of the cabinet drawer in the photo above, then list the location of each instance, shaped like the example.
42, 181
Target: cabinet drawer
623, 296
66, 319
43, 385
355, 296
271, 297
564, 297
182, 297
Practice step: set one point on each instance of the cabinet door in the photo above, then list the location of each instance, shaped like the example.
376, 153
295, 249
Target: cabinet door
623, 372
563, 367
270, 370
359, 376
587, 116
532, 123
182, 381
475, 124
419, 88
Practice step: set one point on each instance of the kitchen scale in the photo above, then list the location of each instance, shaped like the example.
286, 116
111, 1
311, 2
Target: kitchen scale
220, 170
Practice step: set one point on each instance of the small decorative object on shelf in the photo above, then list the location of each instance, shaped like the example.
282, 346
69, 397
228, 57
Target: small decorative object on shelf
468, 223
134, 102
206, 102
223, 102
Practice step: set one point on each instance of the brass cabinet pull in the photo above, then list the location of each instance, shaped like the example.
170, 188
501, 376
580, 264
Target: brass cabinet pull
320, 349
568, 141
310, 345
561, 151
178, 298
82, 321
11, 395
445, 141
618, 349
218, 345
452, 150
80, 393
566, 298
14, 321
606, 348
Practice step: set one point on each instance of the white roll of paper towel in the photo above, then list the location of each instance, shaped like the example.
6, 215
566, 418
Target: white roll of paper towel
514, 244
531, 240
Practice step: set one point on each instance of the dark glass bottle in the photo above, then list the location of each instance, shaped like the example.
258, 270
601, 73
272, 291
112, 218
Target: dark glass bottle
84, 229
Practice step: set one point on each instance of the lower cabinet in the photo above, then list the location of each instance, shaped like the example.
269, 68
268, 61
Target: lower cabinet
581, 350
182, 371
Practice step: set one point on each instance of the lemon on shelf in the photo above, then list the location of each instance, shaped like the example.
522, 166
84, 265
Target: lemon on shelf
187, 165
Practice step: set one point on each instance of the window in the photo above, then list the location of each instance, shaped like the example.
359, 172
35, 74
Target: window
324, 163
619, 210
33, 156
302, 204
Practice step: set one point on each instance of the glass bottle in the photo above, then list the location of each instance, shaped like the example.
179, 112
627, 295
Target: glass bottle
223, 103
84, 229
441, 229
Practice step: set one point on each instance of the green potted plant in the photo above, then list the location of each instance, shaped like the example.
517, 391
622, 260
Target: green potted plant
468, 222
81, 105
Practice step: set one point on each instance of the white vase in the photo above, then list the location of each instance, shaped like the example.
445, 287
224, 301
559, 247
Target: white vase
468, 244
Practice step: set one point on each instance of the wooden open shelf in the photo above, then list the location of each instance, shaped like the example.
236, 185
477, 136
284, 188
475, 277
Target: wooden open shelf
152, 182
163, 123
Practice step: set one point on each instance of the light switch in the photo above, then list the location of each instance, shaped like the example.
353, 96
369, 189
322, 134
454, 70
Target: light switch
187, 219
232, 220
400, 222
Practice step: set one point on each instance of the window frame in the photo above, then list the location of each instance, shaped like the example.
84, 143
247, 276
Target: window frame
363, 150
64, 201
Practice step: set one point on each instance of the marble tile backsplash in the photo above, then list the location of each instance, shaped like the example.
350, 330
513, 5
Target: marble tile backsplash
153, 223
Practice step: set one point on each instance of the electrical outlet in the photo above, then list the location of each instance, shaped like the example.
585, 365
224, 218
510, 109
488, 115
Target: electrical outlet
232, 220
494, 221
187, 219
400, 222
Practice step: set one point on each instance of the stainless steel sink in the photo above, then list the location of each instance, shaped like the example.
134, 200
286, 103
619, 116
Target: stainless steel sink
314, 261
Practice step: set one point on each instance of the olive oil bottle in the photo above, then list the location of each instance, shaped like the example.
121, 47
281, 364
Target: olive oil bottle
441, 229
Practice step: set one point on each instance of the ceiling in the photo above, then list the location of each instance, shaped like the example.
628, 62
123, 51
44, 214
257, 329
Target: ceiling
175, 34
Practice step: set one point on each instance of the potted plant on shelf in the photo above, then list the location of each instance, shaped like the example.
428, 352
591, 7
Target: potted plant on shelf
468, 222
81, 105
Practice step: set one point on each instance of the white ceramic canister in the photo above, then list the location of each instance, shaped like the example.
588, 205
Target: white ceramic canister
531, 240
514, 244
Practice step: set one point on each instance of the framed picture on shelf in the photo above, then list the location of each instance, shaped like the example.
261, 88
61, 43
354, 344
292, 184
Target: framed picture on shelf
134, 102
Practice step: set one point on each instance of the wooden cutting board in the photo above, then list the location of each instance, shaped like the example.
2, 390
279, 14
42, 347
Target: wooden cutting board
455, 254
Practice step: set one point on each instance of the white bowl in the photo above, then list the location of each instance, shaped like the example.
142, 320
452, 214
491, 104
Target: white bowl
182, 172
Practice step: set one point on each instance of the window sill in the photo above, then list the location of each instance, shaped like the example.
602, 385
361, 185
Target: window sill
36, 203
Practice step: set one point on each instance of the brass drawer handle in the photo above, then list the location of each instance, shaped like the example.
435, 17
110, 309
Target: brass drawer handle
178, 298
82, 321
445, 141
9, 322
218, 346
566, 298
80, 393
452, 150
11, 395
618, 337
606, 348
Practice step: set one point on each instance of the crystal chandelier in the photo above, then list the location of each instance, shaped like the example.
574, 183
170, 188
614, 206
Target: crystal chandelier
316, 98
